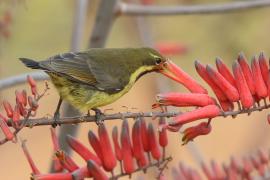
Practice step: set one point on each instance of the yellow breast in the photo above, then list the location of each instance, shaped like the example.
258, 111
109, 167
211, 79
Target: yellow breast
83, 98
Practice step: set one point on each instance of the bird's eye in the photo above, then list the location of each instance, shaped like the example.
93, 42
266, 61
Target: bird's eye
158, 61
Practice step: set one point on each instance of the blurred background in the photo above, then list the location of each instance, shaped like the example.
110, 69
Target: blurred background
39, 29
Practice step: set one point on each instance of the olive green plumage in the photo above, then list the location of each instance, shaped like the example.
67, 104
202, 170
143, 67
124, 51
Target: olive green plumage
97, 77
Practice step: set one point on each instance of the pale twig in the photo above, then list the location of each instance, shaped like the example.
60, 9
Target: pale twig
142, 10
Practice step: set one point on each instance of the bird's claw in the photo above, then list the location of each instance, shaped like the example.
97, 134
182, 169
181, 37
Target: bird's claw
98, 116
55, 119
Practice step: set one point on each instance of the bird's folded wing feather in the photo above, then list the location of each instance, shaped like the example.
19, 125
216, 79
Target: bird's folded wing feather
71, 65
90, 70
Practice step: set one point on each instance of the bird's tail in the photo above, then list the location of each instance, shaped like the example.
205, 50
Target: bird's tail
30, 63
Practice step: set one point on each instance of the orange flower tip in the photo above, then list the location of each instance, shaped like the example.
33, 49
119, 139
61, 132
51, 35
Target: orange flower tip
5, 129
8, 108
52, 176
96, 171
83, 151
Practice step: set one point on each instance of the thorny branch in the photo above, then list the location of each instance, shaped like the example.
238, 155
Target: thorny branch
80, 119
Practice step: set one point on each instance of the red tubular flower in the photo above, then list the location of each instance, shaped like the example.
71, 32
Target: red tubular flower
209, 111
96, 171
185, 79
163, 137
226, 105
138, 151
16, 115
231, 174
33, 85
117, 148
82, 150
144, 135
5, 129
218, 171
155, 150
94, 141
195, 131
184, 99
8, 109
184, 170
207, 171
229, 90
24, 97
224, 71
194, 175
260, 86
247, 72
268, 84
247, 166
258, 165
66, 161
109, 160
29, 159
57, 167
224, 102
264, 67
126, 149
235, 165
171, 48
176, 174
53, 176
264, 157
81, 173
244, 92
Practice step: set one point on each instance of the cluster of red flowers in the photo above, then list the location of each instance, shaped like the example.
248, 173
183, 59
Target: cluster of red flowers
26, 106
246, 86
249, 167
142, 141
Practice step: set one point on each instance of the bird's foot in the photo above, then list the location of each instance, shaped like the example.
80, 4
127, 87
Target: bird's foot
98, 115
56, 117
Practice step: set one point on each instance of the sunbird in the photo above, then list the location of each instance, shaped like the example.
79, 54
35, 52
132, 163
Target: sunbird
99, 76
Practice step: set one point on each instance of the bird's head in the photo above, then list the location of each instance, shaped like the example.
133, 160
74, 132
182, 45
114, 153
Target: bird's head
159, 63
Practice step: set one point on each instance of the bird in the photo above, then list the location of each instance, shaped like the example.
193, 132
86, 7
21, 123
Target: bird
99, 76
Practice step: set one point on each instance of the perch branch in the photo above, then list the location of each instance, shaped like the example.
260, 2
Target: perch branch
81, 119
135, 9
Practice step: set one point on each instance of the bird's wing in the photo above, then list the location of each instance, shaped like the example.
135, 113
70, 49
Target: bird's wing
110, 77
71, 65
